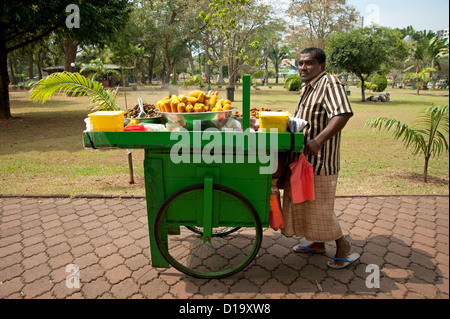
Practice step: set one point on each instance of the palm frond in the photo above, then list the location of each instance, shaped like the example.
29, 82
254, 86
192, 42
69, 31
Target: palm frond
410, 137
67, 82
433, 122
428, 134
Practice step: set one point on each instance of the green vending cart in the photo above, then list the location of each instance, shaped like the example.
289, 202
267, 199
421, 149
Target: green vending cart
207, 191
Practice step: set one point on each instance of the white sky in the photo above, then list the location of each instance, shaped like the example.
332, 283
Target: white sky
422, 15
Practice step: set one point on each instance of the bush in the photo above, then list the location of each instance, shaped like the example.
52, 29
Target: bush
369, 86
380, 82
292, 82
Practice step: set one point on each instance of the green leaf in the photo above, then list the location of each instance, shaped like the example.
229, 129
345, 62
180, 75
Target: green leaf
64, 82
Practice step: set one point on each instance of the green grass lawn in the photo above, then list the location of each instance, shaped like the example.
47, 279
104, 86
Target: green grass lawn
41, 149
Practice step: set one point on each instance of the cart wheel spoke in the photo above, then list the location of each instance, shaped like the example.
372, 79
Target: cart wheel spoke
224, 254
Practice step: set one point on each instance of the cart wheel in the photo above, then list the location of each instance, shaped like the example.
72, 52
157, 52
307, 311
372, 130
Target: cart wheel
220, 232
219, 256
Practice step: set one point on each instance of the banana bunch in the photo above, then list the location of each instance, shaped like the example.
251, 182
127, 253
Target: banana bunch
194, 102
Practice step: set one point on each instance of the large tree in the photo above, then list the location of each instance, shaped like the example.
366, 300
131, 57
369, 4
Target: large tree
270, 37
106, 17
365, 51
25, 22
312, 21
235, 22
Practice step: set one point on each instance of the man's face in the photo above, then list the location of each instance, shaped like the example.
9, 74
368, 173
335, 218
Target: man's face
309, 67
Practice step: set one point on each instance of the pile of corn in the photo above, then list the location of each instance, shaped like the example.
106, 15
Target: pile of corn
195, 101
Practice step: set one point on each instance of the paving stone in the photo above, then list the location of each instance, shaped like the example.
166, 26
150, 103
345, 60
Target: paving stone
407, 237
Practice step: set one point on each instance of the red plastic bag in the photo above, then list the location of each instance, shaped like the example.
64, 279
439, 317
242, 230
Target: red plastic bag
276, 218
302, 180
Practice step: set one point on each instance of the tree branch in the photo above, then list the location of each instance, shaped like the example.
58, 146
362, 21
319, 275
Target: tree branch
36, 38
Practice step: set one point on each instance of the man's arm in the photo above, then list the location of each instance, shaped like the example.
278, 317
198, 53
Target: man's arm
335, 125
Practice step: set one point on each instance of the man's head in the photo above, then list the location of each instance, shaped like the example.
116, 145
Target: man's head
311, 63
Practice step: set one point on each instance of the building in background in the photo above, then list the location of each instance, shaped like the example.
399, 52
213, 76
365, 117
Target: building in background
443, 33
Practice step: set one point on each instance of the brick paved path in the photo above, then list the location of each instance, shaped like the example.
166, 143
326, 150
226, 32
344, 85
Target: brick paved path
107, 238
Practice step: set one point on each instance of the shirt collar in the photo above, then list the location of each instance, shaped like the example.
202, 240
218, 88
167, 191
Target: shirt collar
314, 81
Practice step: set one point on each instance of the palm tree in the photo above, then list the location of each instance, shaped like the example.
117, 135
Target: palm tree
100, 70
427, 136
421, 77
65, 82
427, 49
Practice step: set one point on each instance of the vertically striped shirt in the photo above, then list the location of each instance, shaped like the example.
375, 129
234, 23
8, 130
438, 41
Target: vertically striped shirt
320, 100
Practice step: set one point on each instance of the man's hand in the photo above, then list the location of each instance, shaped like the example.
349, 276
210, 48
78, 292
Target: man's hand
335, 125
312, 148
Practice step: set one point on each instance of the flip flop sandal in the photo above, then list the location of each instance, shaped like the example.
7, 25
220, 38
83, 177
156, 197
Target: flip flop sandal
347, 261
308, 250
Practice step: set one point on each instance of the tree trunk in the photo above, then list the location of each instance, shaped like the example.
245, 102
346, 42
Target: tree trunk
221, 81
207, 69
266, 74
39, 63
30, 66
277, 69
70, 52
191, 61
231, 72
363, 94
5, 110
425, 170
143, 81
150, 70
418, 81
168, 63
11, 69
151, 63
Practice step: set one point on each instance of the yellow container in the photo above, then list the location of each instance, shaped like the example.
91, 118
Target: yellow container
273, 120
107, 121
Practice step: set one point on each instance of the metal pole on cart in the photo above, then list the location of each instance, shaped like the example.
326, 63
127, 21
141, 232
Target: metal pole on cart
245, 102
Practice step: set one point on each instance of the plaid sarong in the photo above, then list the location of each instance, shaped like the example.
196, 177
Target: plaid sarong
314, 220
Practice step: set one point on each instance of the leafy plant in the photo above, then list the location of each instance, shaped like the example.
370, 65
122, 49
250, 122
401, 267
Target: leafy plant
256, 75
427, 50
427, 136
368, 86
380, 81
99, 70
196, 79
292, 82
75, 83
421, 77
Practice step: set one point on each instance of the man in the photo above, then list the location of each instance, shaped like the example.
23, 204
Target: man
325, 106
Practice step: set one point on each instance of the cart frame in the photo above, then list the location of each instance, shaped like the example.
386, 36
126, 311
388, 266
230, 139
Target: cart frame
165, 180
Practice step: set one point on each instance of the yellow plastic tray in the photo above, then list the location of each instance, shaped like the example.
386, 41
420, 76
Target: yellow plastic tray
273, 120
107, 121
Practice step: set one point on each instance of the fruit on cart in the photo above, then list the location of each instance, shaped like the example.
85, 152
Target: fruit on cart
199, 107
195, 101
254, 112
213, 100
174, 101
181, 107
150, 109
190, 108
